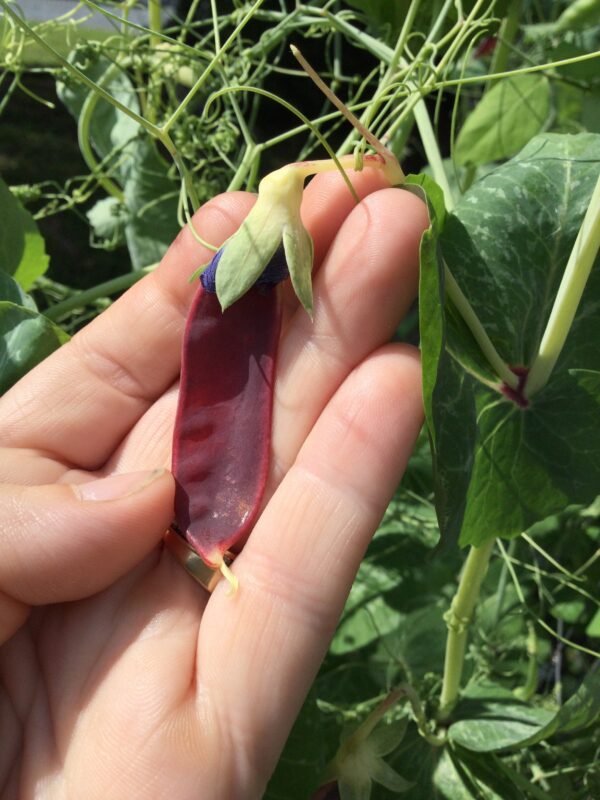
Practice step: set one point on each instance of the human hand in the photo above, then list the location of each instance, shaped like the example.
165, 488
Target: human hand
120, 676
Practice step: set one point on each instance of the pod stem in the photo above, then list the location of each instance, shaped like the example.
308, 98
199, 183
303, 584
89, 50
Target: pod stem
231, 579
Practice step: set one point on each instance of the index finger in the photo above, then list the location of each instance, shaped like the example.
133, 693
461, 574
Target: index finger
98, 385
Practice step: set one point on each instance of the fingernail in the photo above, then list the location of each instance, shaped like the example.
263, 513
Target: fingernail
116, 486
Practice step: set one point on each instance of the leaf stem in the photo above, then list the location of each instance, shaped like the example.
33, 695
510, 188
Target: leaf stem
458, 620
568, 296
465, 309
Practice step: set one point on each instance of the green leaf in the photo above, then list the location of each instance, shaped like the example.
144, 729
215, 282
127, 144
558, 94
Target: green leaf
383, 16
11, 291
500, 467
22, 250
502, 726
593, 628
151, 198
417, 645
505, 119
493, 720
490, 777
299, 252
579, 712
580, 15
569, 611
367, 615
26, 338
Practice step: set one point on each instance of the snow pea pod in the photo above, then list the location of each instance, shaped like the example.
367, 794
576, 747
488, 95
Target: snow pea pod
222, 438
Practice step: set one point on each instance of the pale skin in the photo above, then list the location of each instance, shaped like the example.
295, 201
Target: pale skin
120, 677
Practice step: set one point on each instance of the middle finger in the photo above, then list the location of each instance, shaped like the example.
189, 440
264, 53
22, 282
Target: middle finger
356, 310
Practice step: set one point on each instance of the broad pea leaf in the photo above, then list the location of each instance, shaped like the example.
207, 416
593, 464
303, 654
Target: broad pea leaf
569, 611
593, 627
148, 219
501, 467
490, 718
367, 615
26, 338
580, 711
494, 720
579, 16
383, 16
463, 774
11, 291
505, 119
415, 648
22, 250
448, 773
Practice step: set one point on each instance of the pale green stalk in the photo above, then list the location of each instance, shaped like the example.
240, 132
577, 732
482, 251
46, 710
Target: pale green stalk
548, 66
527, 691
458, 620
567, 299
506, 36
215, 21
155, 21
83, 136
434, 157
84, 298
473, 322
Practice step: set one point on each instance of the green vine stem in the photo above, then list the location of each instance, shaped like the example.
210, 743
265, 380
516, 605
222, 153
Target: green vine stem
458, 619
568, 296
210, 66
435, 740
527, 691
155, 21
83, 136
506, 36
88, 296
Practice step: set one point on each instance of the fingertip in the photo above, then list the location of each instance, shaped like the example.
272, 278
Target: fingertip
328, 201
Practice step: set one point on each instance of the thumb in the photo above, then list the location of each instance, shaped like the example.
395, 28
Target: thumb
64, 542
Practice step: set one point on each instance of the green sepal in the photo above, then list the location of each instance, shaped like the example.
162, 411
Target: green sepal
299, 251
244, 259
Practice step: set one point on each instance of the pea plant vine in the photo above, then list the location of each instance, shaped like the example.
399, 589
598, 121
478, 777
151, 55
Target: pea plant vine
465, 664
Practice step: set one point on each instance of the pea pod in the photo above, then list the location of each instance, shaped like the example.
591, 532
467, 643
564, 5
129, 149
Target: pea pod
222, 434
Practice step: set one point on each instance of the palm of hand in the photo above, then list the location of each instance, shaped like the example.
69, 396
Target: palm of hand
138, 686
